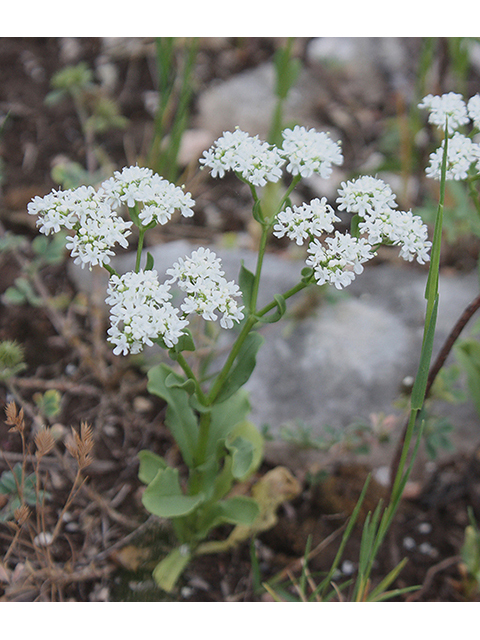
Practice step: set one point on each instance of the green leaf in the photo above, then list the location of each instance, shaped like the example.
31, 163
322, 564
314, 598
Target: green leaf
307, 273
150, 262
420, 385
237, 510
168, 571
180, 417
150, 465
246, 281
242, 455
257, 212
243, 367
224, 417
248, 431
163, 496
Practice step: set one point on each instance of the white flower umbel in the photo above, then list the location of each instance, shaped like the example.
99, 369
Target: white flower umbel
256, 161
157, 198
97, 229
60, 209
474, 110
304, 222
141, 312
449, 105
339, 259
200, 276
462, 152
399, 228
365, 195
308, 151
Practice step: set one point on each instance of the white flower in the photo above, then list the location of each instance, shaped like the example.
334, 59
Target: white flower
96, 233
96, 227
310, 151
256, 161
474, 110
301, 223
127, 186
449, 105
60, 209
200, 276
462, 152
400, 228
158, 197
339, 259
365, 195
141, 312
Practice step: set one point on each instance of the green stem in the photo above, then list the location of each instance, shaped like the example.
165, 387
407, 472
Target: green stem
258, 271
217, 385
189, 373
203, 433
141, 236
291, 292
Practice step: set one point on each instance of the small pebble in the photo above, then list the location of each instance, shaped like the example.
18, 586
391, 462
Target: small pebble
409, 543
427, 549
424, 527
347, 568
43, 539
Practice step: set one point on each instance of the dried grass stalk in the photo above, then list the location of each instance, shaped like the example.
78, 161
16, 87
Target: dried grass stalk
81, 444
15, 418
44, 442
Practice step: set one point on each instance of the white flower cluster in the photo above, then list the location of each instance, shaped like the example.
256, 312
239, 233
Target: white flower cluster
449, 105
158, 197
256, 161
200, 276
141, 312
97, 228
373, 201
462, 152
339, 259
306, 152
301, 223
93, 217
309, 152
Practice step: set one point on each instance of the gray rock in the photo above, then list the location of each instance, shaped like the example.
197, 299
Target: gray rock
247, 100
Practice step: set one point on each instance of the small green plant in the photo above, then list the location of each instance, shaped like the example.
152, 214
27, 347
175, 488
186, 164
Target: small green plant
11, 359
19, 491
97, 114
41, 252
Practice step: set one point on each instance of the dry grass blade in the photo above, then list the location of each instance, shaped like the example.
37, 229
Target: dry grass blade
81, 445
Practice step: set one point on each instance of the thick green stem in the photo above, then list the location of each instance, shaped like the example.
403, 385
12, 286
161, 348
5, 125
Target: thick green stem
203, 433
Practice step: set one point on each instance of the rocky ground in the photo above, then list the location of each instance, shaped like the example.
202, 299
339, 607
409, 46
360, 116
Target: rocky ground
356, 348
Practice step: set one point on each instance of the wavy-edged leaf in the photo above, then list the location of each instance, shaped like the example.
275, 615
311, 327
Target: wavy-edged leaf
180, 417
164, 498
150, 465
